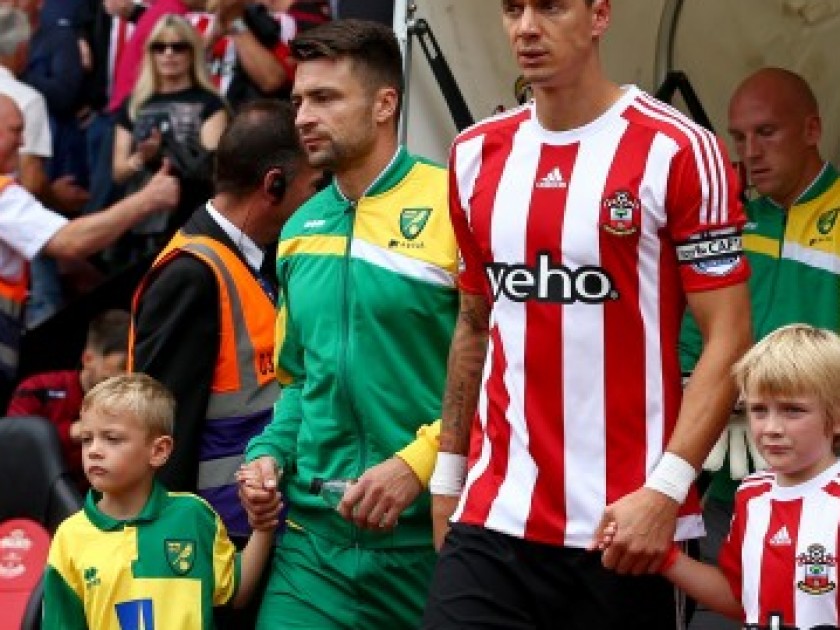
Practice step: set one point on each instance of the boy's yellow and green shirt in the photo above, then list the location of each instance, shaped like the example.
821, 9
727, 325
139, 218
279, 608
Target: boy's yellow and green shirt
166, 568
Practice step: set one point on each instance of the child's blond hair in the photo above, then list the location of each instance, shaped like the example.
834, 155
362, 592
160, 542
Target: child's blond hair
139, 395
794, 360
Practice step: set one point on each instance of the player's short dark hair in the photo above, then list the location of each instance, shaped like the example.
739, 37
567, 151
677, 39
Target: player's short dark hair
372, 46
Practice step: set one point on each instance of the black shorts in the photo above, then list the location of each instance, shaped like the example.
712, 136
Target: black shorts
484, 579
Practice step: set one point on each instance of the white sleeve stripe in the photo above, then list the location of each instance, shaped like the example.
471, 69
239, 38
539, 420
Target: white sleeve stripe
714, 206
720, 169
711, 153
719, 175
467, 166
654, 110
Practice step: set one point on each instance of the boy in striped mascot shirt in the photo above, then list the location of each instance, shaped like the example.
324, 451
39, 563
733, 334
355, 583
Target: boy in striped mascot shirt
778, 566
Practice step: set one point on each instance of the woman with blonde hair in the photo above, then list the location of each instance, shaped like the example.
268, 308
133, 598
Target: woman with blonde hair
174, 112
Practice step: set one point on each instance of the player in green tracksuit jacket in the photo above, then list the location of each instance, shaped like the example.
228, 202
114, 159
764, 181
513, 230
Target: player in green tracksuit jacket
366, 311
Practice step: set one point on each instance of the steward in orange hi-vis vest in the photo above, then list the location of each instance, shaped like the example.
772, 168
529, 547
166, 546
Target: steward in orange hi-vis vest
243, 389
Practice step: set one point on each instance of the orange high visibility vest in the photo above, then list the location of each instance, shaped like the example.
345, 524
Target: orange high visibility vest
13, 292
244, 388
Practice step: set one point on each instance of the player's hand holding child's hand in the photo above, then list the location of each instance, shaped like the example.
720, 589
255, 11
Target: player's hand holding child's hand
604, 538
259, 496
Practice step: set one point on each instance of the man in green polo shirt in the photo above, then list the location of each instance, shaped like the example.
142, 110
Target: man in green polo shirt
791, 239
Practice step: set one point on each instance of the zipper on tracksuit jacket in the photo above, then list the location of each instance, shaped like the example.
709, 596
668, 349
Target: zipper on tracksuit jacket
344, 340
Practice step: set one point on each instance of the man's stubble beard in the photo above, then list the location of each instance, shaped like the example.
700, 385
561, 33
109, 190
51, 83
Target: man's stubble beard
326, 158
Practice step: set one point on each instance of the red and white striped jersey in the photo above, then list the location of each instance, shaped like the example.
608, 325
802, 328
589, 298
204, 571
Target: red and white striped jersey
781, 554
221, 56
584, 241
121, 31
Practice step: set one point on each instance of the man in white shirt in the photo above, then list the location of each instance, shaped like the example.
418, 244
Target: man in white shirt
62, 194
27, 229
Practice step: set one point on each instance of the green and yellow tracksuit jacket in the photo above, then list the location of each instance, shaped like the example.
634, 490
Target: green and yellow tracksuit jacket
795, 260
366, 312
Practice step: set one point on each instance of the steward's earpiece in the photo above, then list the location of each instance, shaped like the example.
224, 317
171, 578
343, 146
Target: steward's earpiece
276, 183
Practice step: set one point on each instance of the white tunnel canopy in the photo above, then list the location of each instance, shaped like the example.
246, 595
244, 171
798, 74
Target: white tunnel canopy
716, 43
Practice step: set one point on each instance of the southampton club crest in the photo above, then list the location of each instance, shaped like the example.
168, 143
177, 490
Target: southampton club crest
180, 554
621, 213
817, 567
413, 220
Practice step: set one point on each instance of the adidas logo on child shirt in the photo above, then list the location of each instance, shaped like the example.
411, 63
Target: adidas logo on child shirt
781, 537
554, 179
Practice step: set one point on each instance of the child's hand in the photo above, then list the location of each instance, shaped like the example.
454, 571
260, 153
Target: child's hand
605, 538
261, 500
248, 476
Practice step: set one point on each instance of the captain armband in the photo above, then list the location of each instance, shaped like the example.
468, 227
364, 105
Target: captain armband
449, 475
672, 477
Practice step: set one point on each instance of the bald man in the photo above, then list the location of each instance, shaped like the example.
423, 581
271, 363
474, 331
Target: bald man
792, 241
27, 229
775, 124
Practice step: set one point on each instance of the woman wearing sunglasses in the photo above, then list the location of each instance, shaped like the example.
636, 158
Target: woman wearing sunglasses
174, 110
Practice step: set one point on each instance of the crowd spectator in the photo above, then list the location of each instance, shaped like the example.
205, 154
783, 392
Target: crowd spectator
54, 68
789, 239
31, 173
27, 228
15, 32
57, 396
131, 59
104, 28
367, 306
261, 64
585, 220
174, 112
62, 194
137, 555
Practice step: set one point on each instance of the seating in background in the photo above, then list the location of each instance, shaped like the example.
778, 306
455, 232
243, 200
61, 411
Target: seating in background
36, 486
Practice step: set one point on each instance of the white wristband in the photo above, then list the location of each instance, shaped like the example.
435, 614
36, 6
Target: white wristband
449, 475
672, 477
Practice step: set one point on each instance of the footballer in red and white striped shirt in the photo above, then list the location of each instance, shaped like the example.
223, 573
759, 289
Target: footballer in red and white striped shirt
585, 243
586, 219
